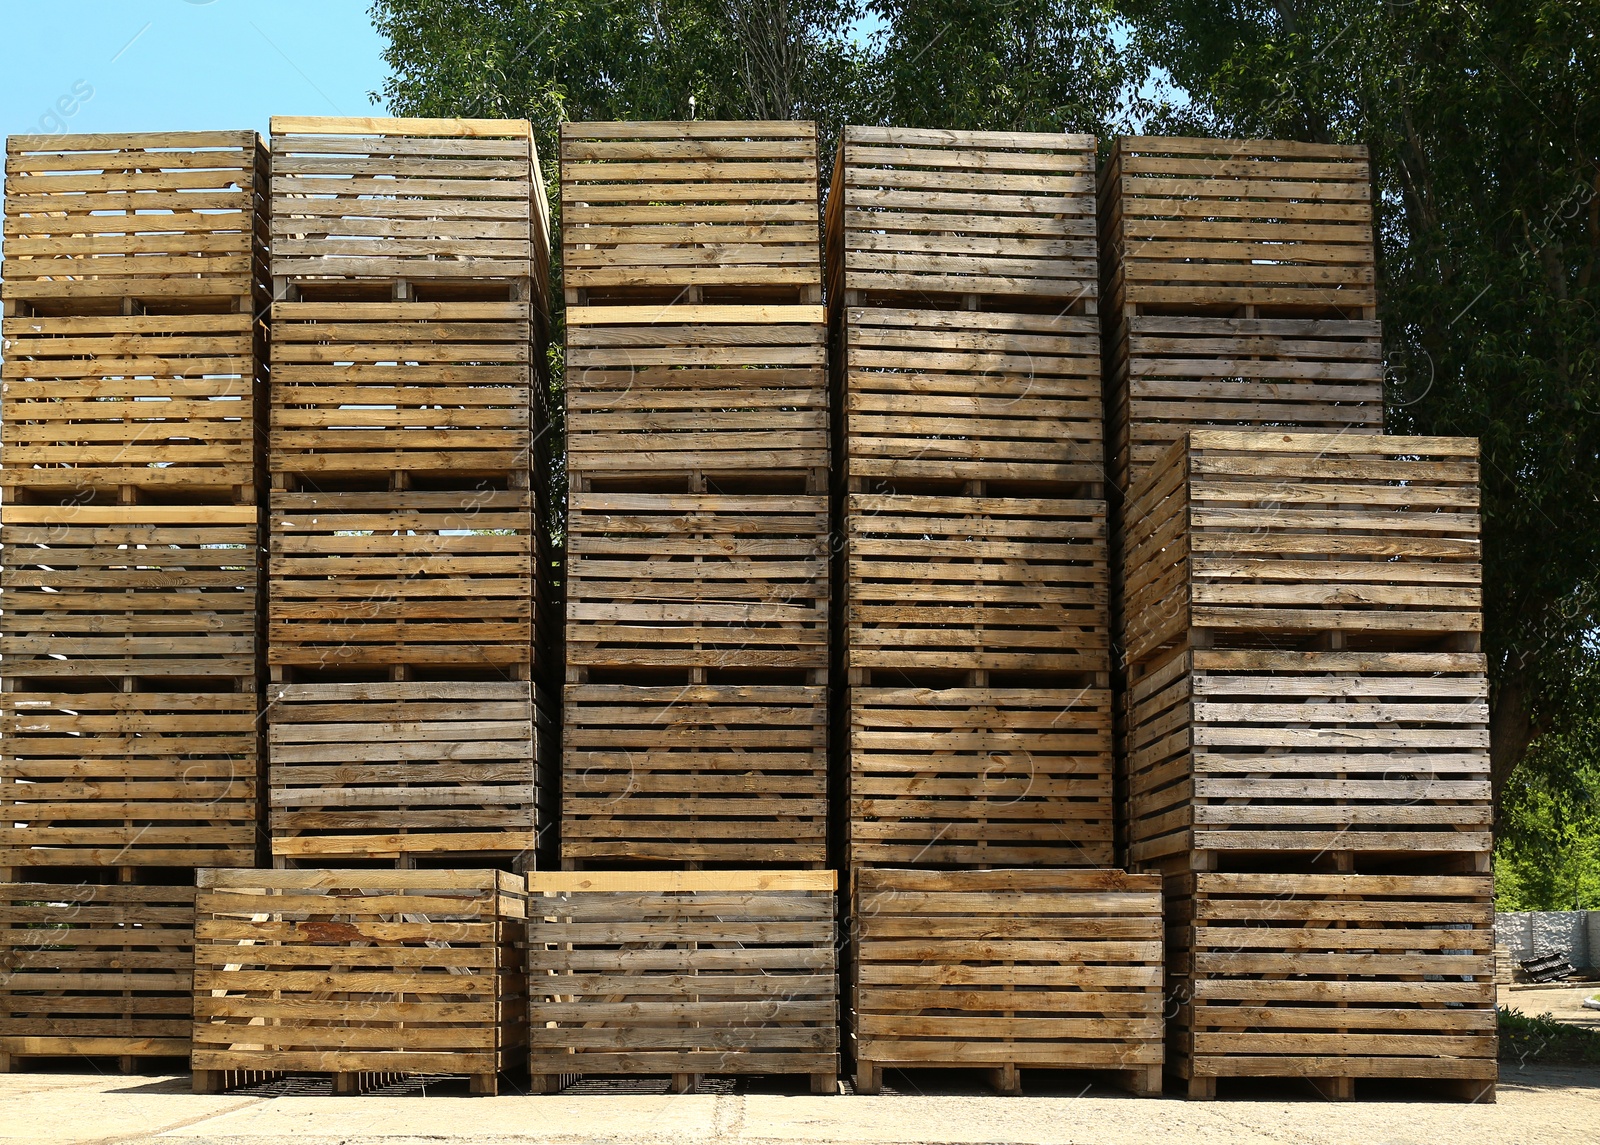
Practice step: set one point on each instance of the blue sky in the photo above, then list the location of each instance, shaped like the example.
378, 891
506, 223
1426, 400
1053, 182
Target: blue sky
154, 65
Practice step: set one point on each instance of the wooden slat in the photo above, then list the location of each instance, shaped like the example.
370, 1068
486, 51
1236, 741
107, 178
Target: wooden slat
725, 972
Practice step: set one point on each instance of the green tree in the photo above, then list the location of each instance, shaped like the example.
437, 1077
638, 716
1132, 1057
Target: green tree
1002, 65
1483, 121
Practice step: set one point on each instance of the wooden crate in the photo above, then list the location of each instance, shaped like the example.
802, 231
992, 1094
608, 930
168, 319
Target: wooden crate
1332, 978
370, 388
386, 579
1267, 535
709, 390
697, 581
169, 404
173, 221
165, 775
417, 200
1007, 970
980, 777
1007, 217
694, 773
975, 584
1226, 223
954, 395
690, 212
346, 972
1168, 375
95, 969
405, 768
129, 590
1246, 755
715, 972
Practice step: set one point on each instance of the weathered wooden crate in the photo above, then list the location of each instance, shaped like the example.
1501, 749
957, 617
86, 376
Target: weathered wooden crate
1007, 970
954, 395
164, 403
1007, 217
1214, 224
416, 200
690, 212
1255, 753
353, 971
371, 388
718, 391
129, 590
165, 775
1168, 375
1266, 536
424, 578
404, 768
714, 972
697, 581
980, 777
694, 773
975, 584
90, 969
1333, 978
173, 221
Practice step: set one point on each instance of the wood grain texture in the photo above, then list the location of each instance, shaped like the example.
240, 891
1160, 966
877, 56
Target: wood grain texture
96, 969
174, 220
1332, 976
733, 978
168, 403
1225, 222
971, 396
1050, 969
1004, 215
1270, 533
652, 211
1258, 753
721, 397
695, 773
979, 777
405, 768
347, 971
697, 580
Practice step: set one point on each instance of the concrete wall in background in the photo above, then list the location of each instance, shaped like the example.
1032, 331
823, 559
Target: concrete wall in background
1534, 932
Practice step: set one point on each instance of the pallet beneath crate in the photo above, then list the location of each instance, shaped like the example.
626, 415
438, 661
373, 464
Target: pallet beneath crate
684, 974
1006, 970
95, 970
1333, 979
351, 972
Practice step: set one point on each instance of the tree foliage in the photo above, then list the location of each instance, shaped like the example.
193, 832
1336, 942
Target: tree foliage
1483, 121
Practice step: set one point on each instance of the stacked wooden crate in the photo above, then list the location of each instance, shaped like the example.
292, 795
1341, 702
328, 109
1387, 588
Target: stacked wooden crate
359, 973
409, 556
1300, 612
134, 267
697, 604
973, 583
1240, 290
695, 709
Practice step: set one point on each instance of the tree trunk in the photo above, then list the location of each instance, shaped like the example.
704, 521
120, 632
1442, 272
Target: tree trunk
1510, 732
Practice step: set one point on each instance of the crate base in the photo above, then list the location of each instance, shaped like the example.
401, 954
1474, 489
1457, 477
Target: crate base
17, 1055
1340, 1080
1006, 1077
822, 1081
345, 1084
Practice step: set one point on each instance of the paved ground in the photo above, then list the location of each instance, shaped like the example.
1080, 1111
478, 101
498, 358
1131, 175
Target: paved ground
1536, 1106
1564, 1002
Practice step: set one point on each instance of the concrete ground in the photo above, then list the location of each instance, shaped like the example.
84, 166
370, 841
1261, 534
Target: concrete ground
1537, 1105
